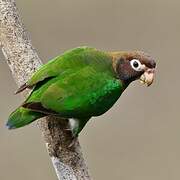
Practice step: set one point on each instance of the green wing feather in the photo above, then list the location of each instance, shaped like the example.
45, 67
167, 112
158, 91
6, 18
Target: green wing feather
85, 93
74, 59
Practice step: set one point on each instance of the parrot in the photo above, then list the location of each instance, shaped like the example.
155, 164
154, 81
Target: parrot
80, 84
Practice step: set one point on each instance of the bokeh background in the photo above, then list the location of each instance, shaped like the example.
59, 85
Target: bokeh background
139, 138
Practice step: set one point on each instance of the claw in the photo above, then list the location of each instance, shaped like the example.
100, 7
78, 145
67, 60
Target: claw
73, 142
67, 129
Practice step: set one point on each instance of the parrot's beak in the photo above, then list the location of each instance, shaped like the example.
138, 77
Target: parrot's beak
147, 77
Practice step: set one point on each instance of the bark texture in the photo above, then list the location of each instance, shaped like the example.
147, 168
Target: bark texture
23, 62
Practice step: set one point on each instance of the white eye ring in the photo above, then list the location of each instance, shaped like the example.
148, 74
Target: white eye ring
136, 65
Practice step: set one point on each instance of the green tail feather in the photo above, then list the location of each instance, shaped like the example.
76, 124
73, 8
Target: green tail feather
21, 117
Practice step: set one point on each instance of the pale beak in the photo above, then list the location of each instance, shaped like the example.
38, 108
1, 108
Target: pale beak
147, 77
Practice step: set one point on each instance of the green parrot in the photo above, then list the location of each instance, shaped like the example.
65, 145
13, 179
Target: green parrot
81, 83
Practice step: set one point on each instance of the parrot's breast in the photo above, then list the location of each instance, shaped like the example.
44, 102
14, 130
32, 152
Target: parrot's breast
103, 99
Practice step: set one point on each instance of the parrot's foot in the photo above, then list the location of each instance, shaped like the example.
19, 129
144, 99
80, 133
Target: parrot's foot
73, 142
74, 136
75, 126
72, 131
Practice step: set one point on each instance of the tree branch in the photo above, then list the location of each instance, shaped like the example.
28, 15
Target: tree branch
23, 62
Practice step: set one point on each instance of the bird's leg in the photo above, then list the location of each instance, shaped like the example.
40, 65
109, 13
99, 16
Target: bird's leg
76, 126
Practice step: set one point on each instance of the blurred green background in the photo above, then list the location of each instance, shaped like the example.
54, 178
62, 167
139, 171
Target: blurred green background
138, 139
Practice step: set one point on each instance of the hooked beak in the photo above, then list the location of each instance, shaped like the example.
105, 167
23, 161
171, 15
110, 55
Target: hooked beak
147, 77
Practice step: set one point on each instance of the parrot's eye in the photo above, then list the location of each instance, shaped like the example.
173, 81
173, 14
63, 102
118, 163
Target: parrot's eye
136, 65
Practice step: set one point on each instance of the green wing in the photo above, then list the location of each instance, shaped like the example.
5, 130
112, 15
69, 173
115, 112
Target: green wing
84, 93
71, 60
59, 64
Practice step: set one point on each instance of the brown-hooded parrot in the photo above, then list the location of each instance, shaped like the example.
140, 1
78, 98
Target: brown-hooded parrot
81, 83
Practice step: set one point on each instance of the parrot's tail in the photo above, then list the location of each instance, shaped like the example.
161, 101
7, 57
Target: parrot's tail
21, 117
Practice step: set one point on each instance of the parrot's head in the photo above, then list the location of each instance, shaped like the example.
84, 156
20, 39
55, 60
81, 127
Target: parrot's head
134, 65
